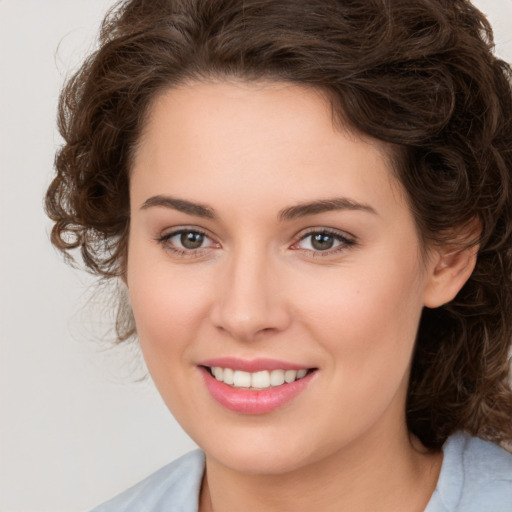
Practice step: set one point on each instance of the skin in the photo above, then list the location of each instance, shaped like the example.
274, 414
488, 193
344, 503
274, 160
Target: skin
257, 288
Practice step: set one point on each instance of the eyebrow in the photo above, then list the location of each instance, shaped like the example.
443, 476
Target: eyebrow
323, 205
290, 213
180, 205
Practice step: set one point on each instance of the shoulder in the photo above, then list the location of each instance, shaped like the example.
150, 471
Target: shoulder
173, 488
476, 475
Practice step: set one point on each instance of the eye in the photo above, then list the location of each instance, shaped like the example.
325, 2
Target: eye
325, 241
190, 239
185, 241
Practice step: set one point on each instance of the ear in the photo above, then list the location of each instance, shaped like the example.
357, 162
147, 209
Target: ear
450, 266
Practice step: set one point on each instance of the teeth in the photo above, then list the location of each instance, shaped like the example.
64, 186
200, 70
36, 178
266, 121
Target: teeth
229, 375
290, 375
242, 379
276, 377
257, 380
260, 380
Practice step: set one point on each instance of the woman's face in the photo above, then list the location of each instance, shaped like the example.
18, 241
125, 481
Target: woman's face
264, 241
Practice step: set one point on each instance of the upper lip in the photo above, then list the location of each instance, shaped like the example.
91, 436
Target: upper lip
252, 365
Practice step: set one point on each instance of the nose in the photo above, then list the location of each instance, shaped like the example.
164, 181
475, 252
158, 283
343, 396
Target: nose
250, 299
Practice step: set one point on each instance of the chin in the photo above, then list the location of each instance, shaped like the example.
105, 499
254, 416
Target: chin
260, 454
250, 462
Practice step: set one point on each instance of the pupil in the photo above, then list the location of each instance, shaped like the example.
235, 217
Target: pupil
191, 240
322, 242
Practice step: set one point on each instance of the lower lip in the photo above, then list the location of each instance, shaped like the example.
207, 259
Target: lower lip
249, 401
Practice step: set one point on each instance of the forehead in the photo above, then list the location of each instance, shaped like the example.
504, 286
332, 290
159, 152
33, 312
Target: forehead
203, 138
245, 107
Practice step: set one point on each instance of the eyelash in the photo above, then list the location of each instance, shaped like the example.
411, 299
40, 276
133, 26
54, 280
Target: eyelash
165, 241
344, 242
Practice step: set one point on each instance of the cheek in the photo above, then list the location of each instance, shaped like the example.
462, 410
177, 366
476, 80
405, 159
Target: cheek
164, 310
168, 310
167, 304
366, 321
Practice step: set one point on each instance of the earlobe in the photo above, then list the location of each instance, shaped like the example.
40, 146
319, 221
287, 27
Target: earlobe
449, 270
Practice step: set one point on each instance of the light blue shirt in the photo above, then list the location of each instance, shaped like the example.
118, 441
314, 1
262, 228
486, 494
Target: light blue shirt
476, 476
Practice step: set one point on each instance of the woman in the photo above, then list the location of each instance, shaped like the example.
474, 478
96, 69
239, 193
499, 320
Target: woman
309, 203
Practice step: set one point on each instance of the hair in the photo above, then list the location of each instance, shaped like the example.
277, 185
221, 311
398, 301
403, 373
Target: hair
417, 74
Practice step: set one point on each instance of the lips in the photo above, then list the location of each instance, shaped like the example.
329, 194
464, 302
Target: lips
254, 387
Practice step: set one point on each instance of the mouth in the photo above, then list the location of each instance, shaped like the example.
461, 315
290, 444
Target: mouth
255, 387
263, 379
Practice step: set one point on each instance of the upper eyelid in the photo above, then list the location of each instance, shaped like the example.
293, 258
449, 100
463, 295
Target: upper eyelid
329, 231
170, 232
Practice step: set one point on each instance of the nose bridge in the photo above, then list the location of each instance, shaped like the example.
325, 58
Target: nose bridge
248, 301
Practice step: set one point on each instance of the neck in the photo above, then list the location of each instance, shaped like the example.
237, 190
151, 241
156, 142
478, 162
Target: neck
394, 475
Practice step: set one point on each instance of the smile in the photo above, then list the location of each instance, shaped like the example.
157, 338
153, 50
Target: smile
255, 387
256, 380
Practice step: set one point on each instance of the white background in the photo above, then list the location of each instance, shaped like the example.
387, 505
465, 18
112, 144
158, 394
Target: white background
74, 431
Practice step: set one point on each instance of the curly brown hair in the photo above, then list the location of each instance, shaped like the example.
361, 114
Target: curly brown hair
418, 74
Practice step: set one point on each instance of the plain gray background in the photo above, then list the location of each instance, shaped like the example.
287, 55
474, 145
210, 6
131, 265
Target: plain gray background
74, 430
